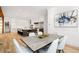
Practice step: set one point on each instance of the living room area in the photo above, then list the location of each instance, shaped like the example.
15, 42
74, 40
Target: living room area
21, 22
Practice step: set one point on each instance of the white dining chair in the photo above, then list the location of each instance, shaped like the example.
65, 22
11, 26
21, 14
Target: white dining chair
52, 48
31, 34
61, 44
20, 49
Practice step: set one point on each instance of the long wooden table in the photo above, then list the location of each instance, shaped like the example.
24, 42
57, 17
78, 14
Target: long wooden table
35, 43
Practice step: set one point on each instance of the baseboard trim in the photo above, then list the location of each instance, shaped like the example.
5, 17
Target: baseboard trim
73, 47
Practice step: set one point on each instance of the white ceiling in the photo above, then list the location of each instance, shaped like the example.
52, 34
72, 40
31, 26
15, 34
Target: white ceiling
24, 11
29, 11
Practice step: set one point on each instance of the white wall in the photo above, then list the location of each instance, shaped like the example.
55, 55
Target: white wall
18, 23
72, 33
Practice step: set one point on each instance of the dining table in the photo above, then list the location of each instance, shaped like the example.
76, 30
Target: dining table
35, 43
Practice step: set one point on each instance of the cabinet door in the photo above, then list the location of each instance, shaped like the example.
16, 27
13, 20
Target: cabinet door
0, 24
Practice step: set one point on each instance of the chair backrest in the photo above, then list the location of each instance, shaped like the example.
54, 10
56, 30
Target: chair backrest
53, 46
62, 42
17, 46
40, 33
20, 49
31, 34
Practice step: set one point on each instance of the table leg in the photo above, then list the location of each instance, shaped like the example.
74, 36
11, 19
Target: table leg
36, 51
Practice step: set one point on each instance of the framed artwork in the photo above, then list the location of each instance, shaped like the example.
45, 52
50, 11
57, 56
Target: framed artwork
67, 19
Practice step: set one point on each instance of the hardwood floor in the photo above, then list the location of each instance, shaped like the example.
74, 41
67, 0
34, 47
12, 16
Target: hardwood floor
71, 49
8, 47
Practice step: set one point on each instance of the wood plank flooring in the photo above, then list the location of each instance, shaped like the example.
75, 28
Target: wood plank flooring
71, 49
7, 46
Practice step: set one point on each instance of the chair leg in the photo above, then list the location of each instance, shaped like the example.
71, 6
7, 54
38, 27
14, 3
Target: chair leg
58, 51
36, 51
62, 50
